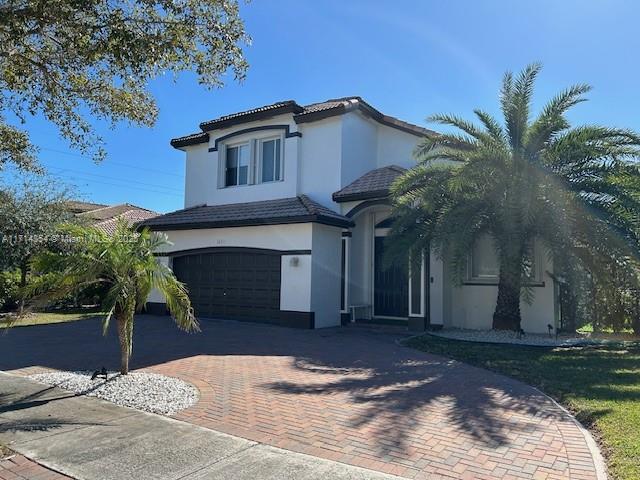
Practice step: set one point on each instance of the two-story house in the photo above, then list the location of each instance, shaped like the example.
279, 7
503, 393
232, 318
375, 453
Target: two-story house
286, 210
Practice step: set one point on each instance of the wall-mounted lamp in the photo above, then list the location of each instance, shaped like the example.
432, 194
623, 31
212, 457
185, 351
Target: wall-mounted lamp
294, 261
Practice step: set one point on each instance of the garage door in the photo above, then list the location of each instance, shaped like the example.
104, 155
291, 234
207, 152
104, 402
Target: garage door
238, 285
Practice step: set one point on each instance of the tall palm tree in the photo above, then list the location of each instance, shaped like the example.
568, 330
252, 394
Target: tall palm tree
124, 263
517, 181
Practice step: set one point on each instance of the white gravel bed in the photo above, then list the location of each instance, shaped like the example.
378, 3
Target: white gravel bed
505, 336
150, 392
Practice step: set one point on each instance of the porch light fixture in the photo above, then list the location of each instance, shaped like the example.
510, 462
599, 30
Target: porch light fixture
294, 261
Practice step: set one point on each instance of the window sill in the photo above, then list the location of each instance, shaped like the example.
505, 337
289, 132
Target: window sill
494, 283
225, 187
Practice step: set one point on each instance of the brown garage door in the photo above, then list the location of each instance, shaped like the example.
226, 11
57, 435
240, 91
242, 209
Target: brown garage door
239, 285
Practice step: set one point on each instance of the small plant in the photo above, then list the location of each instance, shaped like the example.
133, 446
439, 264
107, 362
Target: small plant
125, 265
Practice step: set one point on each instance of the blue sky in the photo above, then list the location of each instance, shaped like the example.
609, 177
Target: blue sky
409, 59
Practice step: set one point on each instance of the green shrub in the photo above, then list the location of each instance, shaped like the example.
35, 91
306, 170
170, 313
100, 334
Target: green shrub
9, 290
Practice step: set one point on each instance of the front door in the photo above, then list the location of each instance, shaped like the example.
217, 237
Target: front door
391, 286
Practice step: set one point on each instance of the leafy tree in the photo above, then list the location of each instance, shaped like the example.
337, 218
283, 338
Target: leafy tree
30, 214
124, 263
573, 188
65, 58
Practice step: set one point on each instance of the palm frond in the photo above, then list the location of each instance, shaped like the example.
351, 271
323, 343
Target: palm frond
516, 100
491, 124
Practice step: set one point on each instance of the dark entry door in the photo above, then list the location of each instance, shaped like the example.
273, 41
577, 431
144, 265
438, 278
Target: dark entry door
391, 286
239, 285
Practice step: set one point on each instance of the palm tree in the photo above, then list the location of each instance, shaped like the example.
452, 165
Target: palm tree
124, 263
518, 181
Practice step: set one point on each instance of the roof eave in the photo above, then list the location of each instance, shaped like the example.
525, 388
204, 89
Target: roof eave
320, 114
254, 222
353, 197
289, 107
189, 140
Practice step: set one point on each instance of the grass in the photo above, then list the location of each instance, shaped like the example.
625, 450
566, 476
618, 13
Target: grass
42, 318
599, 384
588, 328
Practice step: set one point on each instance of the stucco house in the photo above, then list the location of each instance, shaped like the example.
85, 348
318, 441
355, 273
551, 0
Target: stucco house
286, 210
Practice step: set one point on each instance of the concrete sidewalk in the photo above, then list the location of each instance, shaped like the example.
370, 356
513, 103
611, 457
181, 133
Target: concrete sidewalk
87, 438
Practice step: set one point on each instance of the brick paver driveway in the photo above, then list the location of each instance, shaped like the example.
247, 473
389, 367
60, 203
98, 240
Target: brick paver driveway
345, 394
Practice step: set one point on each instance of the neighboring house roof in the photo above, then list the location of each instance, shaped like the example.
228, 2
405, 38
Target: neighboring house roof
301, 114
373, 184
300, 209
76, 206
106, 217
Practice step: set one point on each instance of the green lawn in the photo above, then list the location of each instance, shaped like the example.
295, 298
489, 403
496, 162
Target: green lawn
601, 385
41, 318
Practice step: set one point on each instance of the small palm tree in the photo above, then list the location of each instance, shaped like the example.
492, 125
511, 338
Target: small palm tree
518, 181
125, 264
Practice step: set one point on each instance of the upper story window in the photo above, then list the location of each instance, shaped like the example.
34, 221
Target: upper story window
270, 160
254, 161
237, 165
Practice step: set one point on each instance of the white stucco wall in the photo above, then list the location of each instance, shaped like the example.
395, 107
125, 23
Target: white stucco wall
201, 177
321, 151
326, 275
295, 291
198, 171
295, 236
295, 286
330, 154
395, 147
472, 306
359, 141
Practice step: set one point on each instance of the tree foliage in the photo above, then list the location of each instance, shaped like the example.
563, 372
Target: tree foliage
125, 264
66, 59
30, 215
576, 189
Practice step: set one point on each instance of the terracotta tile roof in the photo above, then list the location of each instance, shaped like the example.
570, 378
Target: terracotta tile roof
76, 206
373, 184
106, 217
300, 209
132, 217
286, 106
193, 139
301, 114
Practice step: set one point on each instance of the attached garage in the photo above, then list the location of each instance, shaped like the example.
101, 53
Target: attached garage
237, 284
273, 261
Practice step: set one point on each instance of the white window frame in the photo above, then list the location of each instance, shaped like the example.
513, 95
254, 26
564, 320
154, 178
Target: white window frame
493, 279
259, 156
225, 151
254, 175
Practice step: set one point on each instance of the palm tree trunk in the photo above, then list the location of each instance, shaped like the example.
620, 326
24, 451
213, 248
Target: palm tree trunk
635, 322
23, 283
507, 312
124, 345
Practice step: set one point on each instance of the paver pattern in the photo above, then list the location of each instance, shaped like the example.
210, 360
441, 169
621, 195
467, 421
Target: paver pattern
19, 467
346, 394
